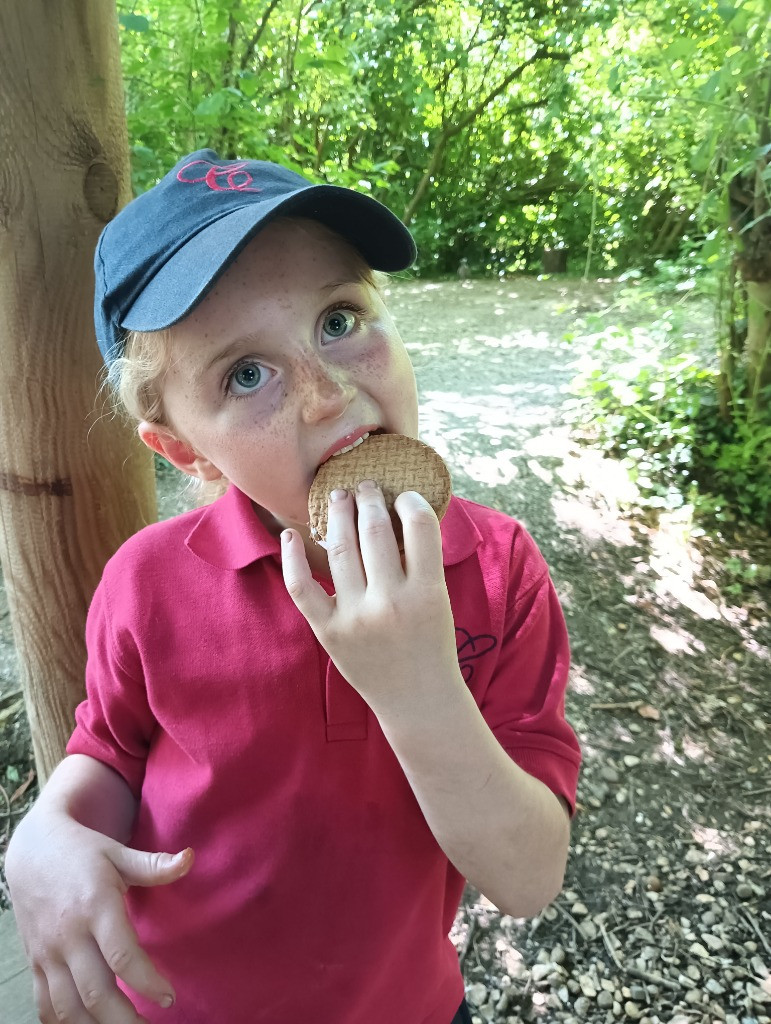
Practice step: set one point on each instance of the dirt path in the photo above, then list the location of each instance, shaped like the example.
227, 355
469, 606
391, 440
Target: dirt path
666, 914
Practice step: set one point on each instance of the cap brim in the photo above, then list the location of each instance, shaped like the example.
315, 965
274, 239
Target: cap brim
180, 284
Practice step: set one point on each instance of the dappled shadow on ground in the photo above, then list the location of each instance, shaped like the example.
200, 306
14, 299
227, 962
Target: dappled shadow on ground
665, 915
666, 912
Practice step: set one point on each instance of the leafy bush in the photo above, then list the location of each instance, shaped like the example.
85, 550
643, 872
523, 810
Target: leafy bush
649, 397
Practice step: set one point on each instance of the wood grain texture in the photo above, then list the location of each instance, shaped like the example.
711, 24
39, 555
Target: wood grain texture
74, 481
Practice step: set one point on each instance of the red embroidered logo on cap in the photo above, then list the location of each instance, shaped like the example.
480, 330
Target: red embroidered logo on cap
219, 178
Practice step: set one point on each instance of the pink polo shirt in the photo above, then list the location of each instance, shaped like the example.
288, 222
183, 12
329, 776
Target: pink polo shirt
318, 891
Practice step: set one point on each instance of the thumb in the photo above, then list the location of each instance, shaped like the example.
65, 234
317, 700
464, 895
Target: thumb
140, 868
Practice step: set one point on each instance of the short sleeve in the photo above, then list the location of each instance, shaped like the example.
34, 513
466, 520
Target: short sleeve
114, 724
525, 702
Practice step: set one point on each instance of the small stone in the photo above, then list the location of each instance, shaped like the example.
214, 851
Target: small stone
714, 987
638, 993
503, 1003
632, 1010
582, 1006
599, 795
759, 967
714, 942
631, 761
579, 909
744, 891
757, 995
477, 994
693, 996
587, 986
698, 950
653, 884
589, 930
540, 972
558, 955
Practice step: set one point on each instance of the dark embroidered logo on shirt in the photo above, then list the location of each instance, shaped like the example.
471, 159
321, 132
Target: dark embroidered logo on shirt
227, 178
470, 648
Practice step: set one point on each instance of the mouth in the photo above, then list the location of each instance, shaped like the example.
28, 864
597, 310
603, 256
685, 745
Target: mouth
349, 442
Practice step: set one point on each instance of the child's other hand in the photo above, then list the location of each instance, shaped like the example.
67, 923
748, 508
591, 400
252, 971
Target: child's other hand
68, 883
389, 626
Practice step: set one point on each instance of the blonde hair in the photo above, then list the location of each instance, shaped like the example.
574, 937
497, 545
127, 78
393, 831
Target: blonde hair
136, 378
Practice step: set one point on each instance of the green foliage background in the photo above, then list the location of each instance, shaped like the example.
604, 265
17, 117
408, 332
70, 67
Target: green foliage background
619, 131
544, 123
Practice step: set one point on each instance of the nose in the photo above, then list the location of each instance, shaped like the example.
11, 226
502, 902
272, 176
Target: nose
325, 390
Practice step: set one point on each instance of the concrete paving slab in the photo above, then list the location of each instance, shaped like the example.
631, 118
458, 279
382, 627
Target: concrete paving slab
16, 1003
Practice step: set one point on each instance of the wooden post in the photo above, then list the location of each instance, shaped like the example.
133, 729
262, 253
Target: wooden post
74, 482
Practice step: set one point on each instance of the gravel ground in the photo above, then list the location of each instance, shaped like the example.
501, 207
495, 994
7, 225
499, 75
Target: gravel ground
666, 912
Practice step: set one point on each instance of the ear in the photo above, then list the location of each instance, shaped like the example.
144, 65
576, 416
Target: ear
176, 451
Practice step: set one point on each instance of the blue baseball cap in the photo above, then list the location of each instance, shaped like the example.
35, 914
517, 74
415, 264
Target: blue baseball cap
161, 254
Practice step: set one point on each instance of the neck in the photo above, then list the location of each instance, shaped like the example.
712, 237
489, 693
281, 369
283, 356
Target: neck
316, 555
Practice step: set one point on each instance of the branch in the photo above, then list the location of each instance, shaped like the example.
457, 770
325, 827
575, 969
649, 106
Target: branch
473, 114
228, 78
251, 46
765, 130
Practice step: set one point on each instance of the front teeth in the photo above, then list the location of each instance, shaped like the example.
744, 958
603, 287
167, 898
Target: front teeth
350, 447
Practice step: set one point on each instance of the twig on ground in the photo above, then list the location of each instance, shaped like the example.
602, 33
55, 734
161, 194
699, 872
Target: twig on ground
22, 789
757, 792
611, 951
5, 814
566, 914
653, 979
757, 931
472, 927
625, 705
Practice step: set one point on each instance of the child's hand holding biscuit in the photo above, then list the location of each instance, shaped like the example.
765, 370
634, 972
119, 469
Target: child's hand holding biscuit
389, 626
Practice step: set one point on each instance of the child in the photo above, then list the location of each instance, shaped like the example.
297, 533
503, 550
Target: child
334, 740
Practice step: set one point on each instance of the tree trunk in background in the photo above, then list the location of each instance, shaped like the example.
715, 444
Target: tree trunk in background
73, 481
758, 338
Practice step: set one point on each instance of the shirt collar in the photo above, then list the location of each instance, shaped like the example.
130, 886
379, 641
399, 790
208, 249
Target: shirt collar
230, 535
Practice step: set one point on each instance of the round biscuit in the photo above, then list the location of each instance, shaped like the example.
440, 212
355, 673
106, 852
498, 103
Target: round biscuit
396, 463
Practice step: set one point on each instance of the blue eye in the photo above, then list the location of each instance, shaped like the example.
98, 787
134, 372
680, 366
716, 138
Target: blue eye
246, 378
338, 323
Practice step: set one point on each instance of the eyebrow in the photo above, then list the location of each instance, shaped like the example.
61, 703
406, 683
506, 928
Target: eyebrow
252, 338
229, 351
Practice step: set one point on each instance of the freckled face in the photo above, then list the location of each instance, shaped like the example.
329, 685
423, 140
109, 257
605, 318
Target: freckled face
290, 353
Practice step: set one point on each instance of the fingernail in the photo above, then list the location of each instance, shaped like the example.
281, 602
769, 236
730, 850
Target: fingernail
167, 1001
286, 536
367, 485
338, 494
